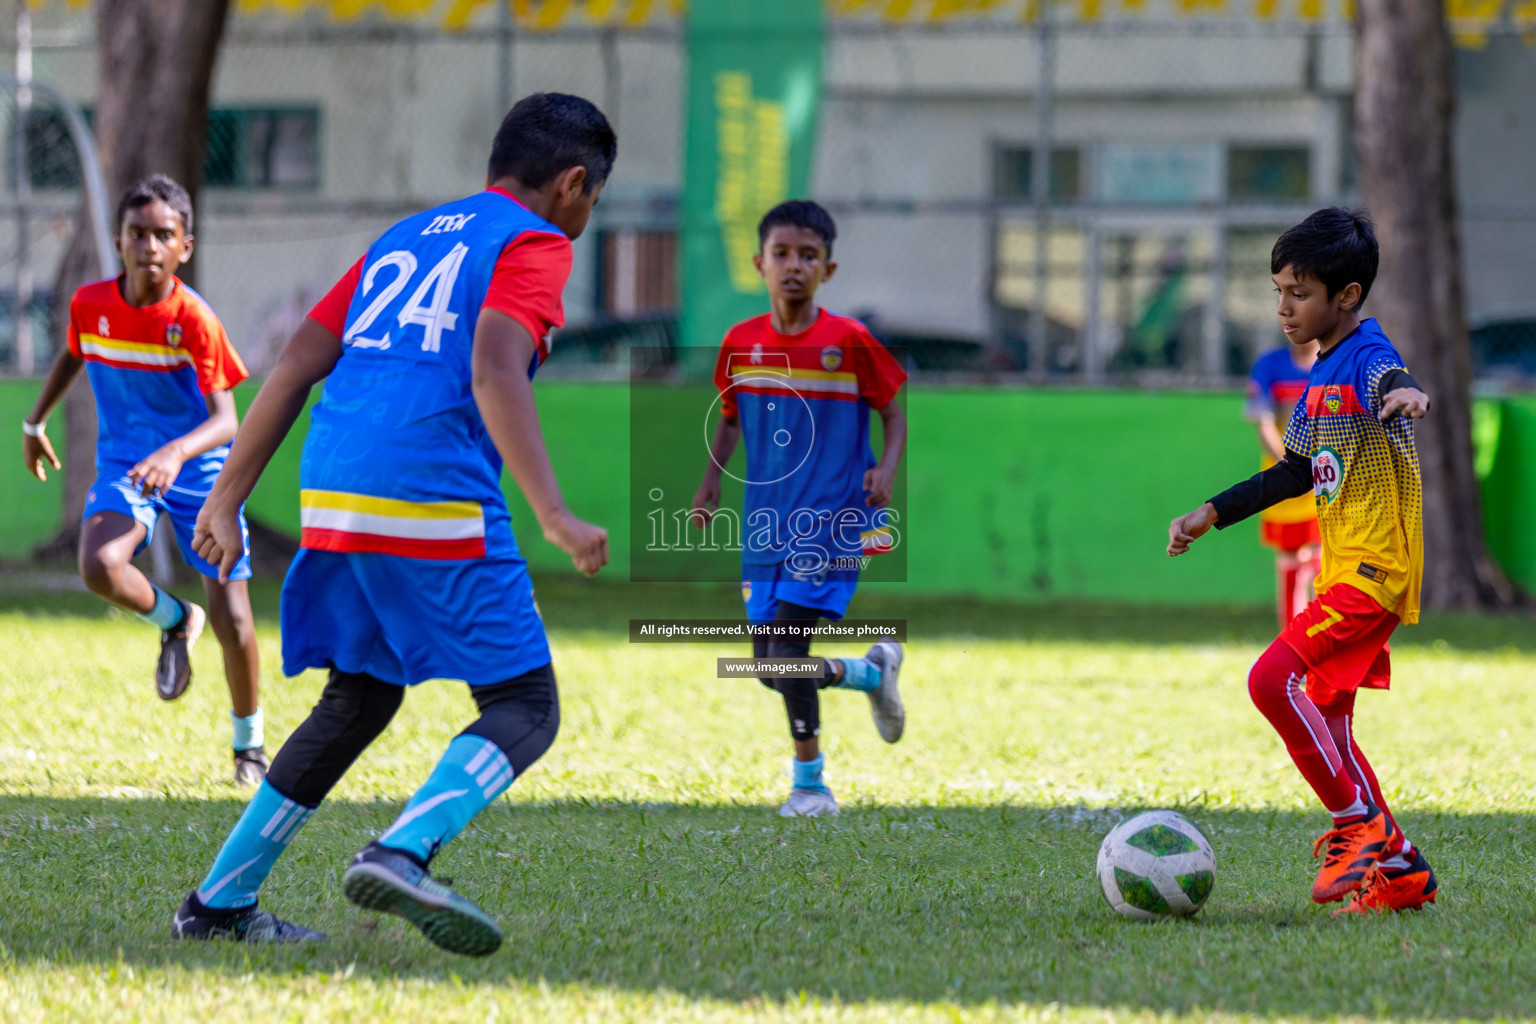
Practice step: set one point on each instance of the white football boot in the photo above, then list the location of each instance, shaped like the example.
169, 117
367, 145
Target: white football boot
809, 803
885, 700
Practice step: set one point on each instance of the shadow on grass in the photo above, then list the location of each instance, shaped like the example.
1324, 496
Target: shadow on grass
606, 606
886, 904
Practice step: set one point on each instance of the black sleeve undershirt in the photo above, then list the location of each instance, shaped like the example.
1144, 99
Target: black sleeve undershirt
1291, 476
1288, 478
1394, 379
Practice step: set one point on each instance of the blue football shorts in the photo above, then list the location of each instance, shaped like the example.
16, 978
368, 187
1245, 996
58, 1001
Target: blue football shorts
407, 620
764, 586
113, 491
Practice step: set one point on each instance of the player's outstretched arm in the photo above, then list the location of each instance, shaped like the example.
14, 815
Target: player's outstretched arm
156, 472
308, 358
881, 480
35, 447
706, 501
504, 394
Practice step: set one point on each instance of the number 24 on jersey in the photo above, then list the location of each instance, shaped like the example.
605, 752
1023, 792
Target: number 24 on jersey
426, 307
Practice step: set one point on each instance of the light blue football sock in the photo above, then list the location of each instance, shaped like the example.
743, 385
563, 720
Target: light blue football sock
808, 774
250, 731
472, 773
166, 613
859, 674
261, 835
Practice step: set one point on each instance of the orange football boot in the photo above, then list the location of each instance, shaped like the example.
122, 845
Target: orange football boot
1390, 891
1353, 851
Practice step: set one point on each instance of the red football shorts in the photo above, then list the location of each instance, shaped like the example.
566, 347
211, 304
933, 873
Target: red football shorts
1342, 636
1290, 536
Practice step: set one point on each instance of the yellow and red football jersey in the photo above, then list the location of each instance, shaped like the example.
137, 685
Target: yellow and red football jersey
1365, 474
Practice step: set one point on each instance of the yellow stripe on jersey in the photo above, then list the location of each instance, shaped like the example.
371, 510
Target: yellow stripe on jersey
126, 351
827, 375
809, 381
367, 504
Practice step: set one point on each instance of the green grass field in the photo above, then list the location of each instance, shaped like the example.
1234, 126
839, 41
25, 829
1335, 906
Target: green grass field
641, 875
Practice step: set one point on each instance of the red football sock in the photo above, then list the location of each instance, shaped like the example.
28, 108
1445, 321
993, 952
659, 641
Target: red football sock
1340, 718
1277, 685
1286, 599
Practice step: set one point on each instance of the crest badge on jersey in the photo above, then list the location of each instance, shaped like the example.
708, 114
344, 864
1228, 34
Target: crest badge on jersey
746, 590
1333, 398
831, 357
173, 335
103, 328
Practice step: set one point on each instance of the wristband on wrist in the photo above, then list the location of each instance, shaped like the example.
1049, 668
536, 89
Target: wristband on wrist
33, 429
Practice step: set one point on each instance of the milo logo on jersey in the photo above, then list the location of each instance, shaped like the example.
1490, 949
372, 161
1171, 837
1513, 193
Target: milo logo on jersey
1327, 475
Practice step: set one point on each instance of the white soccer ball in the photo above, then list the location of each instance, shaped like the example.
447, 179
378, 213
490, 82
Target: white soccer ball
1156, 865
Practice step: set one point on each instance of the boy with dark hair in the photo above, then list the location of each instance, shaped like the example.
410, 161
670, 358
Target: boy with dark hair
1276, 383
408, 569
1350, 441
798, 385
162, 369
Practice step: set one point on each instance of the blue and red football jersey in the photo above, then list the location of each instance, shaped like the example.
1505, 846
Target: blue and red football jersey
804, 402
1275, 385
151, 368
398, 460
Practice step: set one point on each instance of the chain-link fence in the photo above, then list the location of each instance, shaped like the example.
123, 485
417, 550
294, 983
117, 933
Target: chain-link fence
1074, 202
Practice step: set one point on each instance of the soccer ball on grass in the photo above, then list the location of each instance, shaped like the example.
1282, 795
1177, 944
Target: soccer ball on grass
1156, 865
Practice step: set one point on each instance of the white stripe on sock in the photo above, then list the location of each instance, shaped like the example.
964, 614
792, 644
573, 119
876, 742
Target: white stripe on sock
413, 813
1314, 724
479, 759
496, 767
282, 811
207, 894
499, 783
294, 824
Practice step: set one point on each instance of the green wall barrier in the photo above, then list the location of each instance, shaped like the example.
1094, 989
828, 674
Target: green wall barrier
30, 510
1033, 495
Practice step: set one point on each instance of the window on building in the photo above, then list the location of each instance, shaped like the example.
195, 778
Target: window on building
1157, 173
1015, 173
263, 148
639, 272
1269, 172
246, 148
52, 162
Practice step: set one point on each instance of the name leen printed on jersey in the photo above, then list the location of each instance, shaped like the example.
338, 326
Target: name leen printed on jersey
1327, 475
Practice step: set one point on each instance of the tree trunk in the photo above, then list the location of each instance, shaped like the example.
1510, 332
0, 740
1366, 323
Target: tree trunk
156, 67
156, 62
1404, 116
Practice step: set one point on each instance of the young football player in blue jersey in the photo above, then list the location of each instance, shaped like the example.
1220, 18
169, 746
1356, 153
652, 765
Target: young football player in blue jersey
162, 370
408, 569
797, 384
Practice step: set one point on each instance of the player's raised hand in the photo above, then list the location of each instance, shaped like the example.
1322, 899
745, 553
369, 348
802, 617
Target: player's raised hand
706, 502
37, 450
155, 474
1410, 402
217, 537
586, 544
1190, 527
